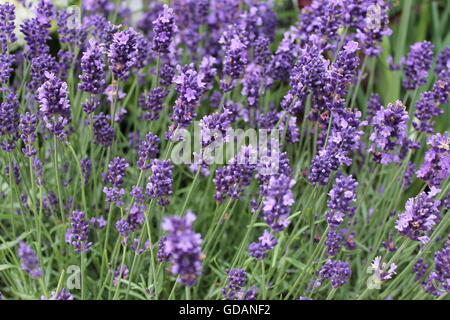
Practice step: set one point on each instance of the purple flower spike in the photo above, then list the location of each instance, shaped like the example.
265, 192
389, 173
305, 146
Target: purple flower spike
78, 234
37, 29
233, 178
86, 167
418, 64
341, 196
183, 246
93, 69
29, 261
7, 25
54, 105
337, 271
267, 242
116, 171
421, 214
152, 103
103, 132
237, 280
190, 87
442, 61
389, 133
276, 206
9, 122
159, 184
163, 30
28, 124
148, 150
123, 53
38, 170
7, 36
436, 166
438, 281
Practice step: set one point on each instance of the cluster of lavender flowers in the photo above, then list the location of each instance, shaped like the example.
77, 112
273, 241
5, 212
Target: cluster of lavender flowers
341, 197
436, 165
337, 271
182, 248
114, 176
232, 179
159, 184
438, 282
29, 261
189, 86
237, 279
135, 216
418, 64
102, 95
421, 214
54, 105
379, 270
259, 249
78, 234
389, 134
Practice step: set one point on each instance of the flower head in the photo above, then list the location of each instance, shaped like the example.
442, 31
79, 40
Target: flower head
421, 214
29, 261
337, 271
148, 150
9, 122
380, 271
436, 166
103, 132
418, 64
92, 78
123, 53
54, 105
163, 30
159, 184
183, 246
78, 234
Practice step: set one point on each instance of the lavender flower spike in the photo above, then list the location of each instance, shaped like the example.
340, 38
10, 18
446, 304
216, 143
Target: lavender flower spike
9, 122
54, 105
163, 29
27, 126
123, 53
389, 133
160, 182
78, 234
93, 69
421, 214
436, 166
337, 271
29, 261
417, 65
183, 246
148, 150
379, 270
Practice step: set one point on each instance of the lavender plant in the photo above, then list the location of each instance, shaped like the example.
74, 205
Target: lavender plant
225, 149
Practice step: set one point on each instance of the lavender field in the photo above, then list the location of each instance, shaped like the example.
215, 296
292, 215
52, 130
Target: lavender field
224, 150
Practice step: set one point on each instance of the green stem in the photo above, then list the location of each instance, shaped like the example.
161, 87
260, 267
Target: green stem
83, 275
358, 83
193, 184
302, 275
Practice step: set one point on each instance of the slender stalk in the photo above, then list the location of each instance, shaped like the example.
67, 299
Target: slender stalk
83, 275
358, 82
188, 197
306, 270
11, 195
